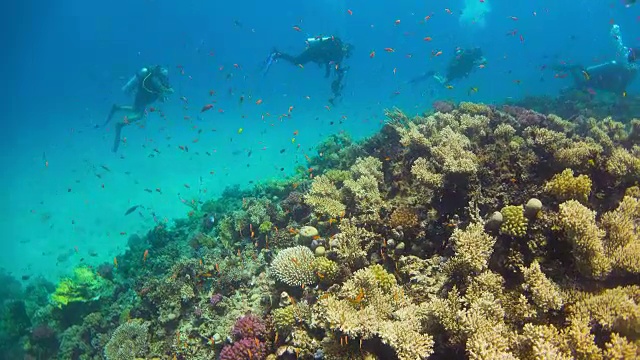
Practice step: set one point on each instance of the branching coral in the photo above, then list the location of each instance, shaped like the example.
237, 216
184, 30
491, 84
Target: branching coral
565, 186
452, 154
294, 266
423, 171
353, 243
128, 341
472, 247
514, 222
579, 153
581, 230
623, 163
324, 197
404, 217
623, 235
364, 187
544, 292
372, 304
84, 286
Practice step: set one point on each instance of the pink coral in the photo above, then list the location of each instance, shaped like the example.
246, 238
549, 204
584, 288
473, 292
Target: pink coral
249, 326
247, 348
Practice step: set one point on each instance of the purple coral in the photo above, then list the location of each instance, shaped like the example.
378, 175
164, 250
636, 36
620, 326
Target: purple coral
249, 326
215, 299
443, 106
248, 348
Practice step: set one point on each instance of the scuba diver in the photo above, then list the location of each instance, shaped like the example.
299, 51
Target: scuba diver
150, 84
612, 76
462, 64
329, 51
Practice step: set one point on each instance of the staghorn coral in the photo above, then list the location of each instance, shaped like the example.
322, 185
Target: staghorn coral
543, 342
424, 275
624, 163
294, 266
578, 153
622, 244
514, 222
128, 341
364, 187
544, 292
421, 169
565, 186
472, 247
452, 154
372, 304
324, 197
581, 230
353, 243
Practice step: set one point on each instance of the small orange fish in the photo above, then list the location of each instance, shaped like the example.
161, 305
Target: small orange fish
397, 22
435, 54
295, 133
372, 54
349, 12
390, 50
428, 38
144, 256
259, 102
217, 268
296, 28
290, 108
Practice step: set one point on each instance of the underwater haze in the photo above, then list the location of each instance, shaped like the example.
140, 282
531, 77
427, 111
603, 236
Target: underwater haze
238, 107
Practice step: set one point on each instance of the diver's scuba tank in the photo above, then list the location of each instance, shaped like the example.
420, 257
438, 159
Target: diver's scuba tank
318, 39
135, 80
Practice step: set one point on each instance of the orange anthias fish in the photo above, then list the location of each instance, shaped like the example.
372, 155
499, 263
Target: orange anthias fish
144, 256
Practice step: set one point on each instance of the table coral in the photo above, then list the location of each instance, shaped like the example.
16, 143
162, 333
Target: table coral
294, 266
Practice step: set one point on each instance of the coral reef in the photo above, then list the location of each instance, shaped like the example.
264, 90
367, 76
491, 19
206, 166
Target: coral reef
473, 231
294, 266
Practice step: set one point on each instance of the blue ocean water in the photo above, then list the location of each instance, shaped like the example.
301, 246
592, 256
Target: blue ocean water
64, 192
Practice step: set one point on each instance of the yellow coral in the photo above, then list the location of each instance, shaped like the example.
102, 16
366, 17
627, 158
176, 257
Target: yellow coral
623, 163
579, 153
622, 243
353, 243
544, 292
423, 172
324, 197
365, 308
327, 270
474, 108
581, 230
514, 223
364, 187
452, 154
565, 186
472, 247
403, 216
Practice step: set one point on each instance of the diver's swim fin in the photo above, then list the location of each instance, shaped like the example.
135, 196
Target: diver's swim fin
113, 111
268, 62
116, 139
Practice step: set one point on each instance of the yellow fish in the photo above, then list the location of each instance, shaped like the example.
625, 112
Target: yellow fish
240, 130
449, 87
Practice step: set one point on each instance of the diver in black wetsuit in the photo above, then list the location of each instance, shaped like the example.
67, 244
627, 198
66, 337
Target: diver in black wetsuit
329, 51
150, 84
462, 64
612, 76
